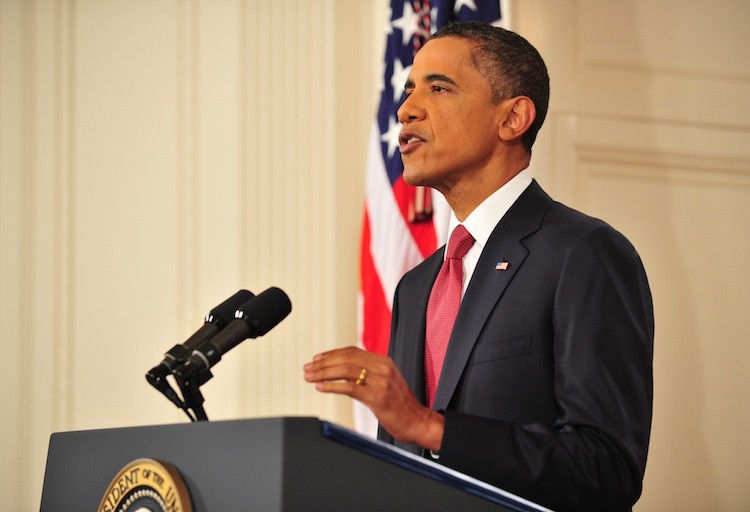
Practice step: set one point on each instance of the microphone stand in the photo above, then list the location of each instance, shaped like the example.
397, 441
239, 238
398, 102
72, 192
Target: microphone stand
191, 393
157, 377
192, 399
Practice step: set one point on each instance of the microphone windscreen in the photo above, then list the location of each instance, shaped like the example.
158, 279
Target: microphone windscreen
224, 312
267, 309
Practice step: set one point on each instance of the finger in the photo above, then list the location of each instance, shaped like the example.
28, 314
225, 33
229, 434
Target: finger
361, 392
347, 355
338, 372
330, 364
337, 387
328, 358
339, 353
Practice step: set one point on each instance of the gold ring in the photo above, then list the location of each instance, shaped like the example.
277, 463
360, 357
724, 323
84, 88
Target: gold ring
361, 379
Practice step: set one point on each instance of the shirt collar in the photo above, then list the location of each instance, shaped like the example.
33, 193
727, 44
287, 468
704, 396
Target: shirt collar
482, 221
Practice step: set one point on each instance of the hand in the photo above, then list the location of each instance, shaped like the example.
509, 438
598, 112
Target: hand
382, 388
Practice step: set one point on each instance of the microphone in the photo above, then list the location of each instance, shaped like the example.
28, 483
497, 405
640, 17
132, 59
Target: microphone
216, 320
254, 318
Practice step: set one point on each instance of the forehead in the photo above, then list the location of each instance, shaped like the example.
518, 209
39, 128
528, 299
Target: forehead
446, 55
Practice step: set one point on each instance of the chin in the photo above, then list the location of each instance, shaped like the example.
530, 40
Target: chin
414, 177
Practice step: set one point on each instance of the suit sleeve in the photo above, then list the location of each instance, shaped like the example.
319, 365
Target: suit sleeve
593, 457
383, 434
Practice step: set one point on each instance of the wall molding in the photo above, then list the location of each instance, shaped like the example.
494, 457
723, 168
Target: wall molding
64, 211
188, 162
698, 170
27, 248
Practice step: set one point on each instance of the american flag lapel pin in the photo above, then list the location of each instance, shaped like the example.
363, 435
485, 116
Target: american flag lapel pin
501, 265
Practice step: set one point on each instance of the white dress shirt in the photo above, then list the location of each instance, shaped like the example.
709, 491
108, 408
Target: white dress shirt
482, 221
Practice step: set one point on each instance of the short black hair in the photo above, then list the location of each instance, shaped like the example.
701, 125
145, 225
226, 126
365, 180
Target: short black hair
509, 63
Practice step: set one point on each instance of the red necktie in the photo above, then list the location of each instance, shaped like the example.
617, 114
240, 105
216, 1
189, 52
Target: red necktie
442, 309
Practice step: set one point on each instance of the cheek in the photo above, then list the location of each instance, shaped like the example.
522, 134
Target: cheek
450, 129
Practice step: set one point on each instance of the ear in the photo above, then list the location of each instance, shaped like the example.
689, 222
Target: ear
520, 113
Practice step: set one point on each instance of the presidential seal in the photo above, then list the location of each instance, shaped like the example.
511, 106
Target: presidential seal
146, 485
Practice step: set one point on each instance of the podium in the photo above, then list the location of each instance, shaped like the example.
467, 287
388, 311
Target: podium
274, 464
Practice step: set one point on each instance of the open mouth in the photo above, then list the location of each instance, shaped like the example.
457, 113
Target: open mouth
408, 142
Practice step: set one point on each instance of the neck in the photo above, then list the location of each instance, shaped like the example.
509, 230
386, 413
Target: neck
466, 195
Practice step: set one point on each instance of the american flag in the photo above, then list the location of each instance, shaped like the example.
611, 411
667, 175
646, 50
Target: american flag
402, 224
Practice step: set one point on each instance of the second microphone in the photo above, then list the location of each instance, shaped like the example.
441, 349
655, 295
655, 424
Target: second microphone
254, 318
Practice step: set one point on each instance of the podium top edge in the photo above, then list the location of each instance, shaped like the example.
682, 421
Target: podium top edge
200, 424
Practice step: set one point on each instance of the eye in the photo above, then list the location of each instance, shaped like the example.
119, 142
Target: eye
438, 88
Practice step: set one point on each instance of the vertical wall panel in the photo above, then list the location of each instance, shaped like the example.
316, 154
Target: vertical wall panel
35, 145
360, 49
12, 243
213, 34
27, 250
125, 208
64, 213
188, 158
41, 371
290, 178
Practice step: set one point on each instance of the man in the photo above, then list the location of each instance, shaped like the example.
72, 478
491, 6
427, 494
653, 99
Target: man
543, 385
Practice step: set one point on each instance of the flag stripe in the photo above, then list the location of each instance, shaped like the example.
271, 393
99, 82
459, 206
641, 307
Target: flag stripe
393, 249
376, 311
423, 233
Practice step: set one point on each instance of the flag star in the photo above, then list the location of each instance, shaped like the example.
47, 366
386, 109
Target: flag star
460, 3
388, 26
498, 23
398, 79
408, 23
391, 136
433, 20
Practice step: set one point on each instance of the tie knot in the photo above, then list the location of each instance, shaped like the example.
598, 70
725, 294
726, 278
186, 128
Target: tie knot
460, 243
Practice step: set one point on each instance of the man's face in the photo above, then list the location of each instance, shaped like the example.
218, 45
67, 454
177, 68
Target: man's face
450, 125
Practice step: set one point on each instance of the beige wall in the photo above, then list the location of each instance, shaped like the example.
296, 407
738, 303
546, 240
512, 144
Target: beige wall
155, 156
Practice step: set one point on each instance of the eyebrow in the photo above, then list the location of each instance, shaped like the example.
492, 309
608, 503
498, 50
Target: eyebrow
439, 77
432, 77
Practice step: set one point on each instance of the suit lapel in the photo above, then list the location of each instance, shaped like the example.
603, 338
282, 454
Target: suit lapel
412, 364
487, 285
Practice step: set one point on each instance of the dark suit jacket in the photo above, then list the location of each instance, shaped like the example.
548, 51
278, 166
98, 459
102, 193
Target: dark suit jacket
547, 382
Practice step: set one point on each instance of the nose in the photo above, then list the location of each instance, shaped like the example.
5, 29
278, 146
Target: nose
410, 111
